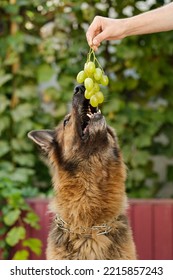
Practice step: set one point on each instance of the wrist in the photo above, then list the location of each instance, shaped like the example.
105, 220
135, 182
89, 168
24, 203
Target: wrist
126, 27
133, 26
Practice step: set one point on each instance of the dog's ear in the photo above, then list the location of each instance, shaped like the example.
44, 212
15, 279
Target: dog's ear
43, 138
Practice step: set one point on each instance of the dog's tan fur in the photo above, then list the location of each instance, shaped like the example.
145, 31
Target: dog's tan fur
88, 177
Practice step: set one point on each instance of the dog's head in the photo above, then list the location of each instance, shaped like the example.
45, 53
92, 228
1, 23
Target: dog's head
83, 134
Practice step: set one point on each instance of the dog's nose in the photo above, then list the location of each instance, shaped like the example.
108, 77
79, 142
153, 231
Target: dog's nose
79, 89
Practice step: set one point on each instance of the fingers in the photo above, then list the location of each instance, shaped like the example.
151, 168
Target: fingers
93, 32
89, 37
99, 38
95, 44
103, 28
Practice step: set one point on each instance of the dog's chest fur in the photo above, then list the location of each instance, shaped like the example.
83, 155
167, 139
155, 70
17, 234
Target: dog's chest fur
85, 200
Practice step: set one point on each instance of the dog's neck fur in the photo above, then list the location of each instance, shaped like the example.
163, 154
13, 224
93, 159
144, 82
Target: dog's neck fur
83, 203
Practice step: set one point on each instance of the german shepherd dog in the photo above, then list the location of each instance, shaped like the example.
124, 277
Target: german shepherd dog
89, 175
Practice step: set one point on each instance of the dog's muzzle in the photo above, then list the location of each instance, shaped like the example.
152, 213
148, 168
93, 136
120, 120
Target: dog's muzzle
80, 89
89, 120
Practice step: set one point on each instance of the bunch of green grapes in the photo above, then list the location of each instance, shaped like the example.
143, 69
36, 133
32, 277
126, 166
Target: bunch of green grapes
93, 77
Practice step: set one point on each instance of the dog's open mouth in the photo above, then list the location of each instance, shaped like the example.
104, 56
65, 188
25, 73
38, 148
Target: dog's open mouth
87, 115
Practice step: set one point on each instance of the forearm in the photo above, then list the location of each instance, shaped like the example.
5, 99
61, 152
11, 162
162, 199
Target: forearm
158, 20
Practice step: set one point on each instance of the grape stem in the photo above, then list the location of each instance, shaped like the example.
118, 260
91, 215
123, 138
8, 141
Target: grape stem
95, 60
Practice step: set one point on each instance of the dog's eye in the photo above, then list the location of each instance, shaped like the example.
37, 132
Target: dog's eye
66, 121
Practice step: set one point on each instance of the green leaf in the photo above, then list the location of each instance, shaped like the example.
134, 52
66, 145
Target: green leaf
34, 244
45, 73
22, 111
16, 42
5, 255
12, 192
32, 40
32, 219
4, 123
4, 102
21, 145
12, 9
137, 174
15, 200
4, 148
30, 191
12, 58
139, 158
22, 175
5, 78
3, 231
2, 244
25, 126
15, 235
11, 217
27, 92
143, 141
21, 255
24, 159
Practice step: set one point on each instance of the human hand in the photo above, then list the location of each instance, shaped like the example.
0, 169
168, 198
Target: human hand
103, 28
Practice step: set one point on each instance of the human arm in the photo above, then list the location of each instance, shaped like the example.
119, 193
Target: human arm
157, 20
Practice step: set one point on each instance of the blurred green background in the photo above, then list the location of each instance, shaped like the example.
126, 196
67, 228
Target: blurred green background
42, 48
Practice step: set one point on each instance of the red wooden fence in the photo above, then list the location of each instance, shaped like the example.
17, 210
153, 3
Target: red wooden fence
152, 225
151, 221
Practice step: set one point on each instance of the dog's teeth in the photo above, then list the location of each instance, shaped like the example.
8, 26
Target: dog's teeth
89, 116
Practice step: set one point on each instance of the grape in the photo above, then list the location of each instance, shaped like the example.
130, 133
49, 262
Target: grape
88, 84
104, 80
88, 94
94, 101
81, 77
96, 87
92, 76
89, 67
97, 74
100, 97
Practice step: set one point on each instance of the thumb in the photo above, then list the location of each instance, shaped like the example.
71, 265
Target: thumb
99, 38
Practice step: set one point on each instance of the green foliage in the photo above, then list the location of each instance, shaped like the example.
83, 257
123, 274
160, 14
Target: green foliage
43, 47
11, 217
15, 235
16, 215
21, 255
34, 245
